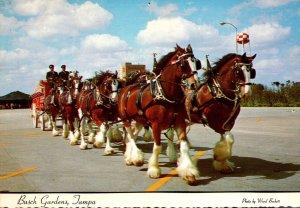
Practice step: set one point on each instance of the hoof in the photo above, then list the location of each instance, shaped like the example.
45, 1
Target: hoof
224, 166
97, 145
138, 163
153, 172
109, 152
83, 146
191, 180
128, 163
65, 134
74, 142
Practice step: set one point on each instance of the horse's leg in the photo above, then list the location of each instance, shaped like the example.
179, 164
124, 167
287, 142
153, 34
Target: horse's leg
50, 126
186, 168
91, 138
222, 153
65, 127
171, 150
133, 155
153, 168
108, 149
114, 134
83, 144
147, 136
100, 136
55, 131
76, 128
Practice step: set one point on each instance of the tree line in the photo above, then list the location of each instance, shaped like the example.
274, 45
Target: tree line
278, 95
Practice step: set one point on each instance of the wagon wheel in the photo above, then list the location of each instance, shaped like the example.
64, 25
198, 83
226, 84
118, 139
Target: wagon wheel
34, 116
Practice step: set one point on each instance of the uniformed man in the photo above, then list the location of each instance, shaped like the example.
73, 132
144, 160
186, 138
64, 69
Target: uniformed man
52, 77
64, 76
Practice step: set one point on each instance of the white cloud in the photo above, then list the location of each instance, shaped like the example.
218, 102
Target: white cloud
12, 58
293, 57
58, 17
267, 34
168, 31
162, 11
270, 3
263, 4
30, 7
103, 43
8, 25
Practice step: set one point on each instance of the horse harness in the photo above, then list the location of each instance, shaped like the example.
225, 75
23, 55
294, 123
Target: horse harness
217, 93
158, 95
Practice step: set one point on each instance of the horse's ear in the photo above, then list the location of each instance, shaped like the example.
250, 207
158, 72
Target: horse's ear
189, 49
251, 58
177, 46
117, 73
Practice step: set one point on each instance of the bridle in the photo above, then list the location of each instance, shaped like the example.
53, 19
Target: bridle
108, 92
182, 59
237, 68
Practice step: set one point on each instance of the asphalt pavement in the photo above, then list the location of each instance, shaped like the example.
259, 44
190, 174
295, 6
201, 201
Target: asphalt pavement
266, 154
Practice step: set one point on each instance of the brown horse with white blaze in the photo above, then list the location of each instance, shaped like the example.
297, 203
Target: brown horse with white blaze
99, 105
216, 103
67, 102
160, 105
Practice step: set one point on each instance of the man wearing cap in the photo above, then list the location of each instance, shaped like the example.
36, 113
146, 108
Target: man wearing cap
52, 77
64, 76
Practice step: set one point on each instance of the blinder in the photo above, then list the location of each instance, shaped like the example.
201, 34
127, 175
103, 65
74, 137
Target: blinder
252, 73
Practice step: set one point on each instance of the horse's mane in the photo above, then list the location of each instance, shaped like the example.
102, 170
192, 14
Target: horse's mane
100, 76
133, 77
163, 61
209, 74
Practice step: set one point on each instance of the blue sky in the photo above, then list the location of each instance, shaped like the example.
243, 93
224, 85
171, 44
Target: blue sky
89, 36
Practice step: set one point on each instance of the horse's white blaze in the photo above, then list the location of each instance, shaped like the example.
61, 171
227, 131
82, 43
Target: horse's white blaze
114, 94
69, 98
76, 92
247, 88
186, 166
193, 66
153, 168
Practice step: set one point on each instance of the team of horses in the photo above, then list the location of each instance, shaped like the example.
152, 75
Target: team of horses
168, 98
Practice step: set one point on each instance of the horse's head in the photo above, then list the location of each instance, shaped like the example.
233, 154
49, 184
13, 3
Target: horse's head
75, 82
244, 72
108, 85
87, 85
233, 72
186, 64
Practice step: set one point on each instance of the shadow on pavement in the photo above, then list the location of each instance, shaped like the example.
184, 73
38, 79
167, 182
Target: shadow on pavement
249, 166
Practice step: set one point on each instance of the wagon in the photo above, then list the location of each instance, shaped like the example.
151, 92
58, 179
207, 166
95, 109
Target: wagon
41, 91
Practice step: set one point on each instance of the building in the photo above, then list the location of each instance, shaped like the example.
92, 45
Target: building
129, 68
